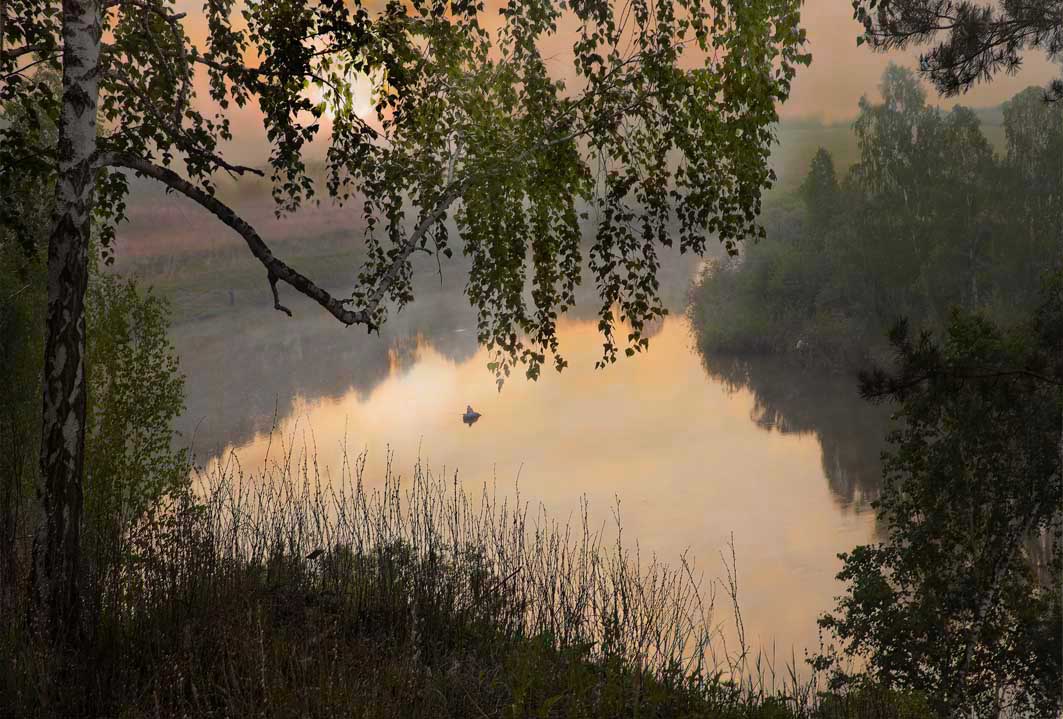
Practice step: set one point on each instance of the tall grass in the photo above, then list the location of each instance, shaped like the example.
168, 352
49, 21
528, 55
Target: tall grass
288, 592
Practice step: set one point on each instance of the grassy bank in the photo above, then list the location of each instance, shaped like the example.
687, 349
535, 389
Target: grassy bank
285, 594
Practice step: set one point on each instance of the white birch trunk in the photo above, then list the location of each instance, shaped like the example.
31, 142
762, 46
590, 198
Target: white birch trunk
57, 541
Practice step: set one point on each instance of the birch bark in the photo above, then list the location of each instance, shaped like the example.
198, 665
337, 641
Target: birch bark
57, 541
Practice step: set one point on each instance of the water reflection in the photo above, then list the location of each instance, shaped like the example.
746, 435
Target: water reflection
250, 367
248, 364
652, 437
786, 399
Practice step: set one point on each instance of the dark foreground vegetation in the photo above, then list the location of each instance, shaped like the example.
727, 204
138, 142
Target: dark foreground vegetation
286, 594
962, 599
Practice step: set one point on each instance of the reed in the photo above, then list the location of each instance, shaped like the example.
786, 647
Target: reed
288, 591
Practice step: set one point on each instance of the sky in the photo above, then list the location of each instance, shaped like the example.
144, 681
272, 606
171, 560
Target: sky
841, 72
828, 90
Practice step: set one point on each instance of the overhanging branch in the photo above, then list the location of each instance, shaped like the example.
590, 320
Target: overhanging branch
276, 269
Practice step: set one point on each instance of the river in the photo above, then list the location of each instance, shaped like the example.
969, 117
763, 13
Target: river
691, 451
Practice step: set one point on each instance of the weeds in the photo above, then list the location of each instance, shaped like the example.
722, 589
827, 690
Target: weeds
287, 592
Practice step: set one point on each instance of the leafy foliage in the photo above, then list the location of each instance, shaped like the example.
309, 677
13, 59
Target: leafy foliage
135, 394
961, 601
267, 594
929, 218
659, 127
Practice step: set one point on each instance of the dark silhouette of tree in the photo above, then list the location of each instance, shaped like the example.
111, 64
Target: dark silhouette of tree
953, 603
661, 124
972, 41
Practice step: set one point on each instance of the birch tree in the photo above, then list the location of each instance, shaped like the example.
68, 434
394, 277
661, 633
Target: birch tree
656, 126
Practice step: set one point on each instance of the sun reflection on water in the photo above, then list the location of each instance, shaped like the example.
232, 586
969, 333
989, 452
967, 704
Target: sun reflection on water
653, 437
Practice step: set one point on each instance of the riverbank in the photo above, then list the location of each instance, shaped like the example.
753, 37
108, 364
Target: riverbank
775, 301
268, 595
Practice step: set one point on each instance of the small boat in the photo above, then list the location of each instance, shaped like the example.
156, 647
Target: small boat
470, 415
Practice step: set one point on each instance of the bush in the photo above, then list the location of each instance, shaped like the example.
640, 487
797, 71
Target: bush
135, 394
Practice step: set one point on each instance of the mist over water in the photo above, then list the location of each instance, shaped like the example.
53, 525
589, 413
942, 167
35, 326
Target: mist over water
688, 449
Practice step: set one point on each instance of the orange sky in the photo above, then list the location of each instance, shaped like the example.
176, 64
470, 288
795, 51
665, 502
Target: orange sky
841, 72
827, 90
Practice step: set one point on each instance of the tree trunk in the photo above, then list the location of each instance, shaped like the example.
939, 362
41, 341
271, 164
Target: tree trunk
57, 542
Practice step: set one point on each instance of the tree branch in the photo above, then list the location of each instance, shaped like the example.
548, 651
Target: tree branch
15, 53
895, 385
20, 70
275, 268
410, 246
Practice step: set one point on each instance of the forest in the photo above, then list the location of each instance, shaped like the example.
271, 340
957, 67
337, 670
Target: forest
930, 218
559, 204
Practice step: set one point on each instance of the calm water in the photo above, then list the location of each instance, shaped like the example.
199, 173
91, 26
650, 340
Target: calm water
692, 450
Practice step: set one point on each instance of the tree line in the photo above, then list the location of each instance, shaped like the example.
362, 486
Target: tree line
931, 217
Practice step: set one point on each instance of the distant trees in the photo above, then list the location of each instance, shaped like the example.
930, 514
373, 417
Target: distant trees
974, 41
929, 218
952, 603
921, 189
1034, 161
664, 130
820, 191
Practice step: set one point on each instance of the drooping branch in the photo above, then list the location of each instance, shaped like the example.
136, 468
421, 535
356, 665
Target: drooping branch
278, 270
448, 198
